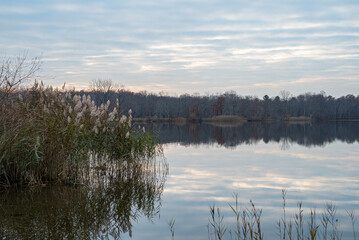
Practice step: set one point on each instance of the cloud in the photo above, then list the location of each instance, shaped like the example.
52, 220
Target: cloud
250, 45
67, 7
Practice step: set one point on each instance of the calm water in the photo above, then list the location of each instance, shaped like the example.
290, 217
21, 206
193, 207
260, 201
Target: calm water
207, 164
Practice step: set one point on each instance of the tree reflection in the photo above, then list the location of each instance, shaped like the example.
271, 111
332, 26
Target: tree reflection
313, 134
104, 209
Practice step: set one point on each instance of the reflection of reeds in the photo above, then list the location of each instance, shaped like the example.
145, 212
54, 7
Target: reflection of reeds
171, 225
49, 135
105, 210
248, 223
353, 220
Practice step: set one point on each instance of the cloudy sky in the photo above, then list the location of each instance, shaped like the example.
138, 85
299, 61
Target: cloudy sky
190, 46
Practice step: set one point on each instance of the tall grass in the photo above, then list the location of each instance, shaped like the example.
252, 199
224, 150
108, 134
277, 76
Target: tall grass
51, 135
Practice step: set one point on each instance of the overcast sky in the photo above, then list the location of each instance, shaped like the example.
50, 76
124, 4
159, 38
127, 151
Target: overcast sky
205, 46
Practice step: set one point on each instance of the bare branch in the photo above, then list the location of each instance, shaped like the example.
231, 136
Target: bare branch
16, 71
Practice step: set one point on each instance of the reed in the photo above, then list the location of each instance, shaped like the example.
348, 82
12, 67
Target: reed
216, 222
48, 135
248, 224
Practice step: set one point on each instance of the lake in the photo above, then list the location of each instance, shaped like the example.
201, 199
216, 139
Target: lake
203, 165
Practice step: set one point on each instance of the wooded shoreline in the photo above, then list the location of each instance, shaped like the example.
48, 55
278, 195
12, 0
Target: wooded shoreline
233, 120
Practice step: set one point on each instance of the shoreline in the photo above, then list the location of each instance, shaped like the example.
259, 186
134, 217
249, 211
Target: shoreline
234, 120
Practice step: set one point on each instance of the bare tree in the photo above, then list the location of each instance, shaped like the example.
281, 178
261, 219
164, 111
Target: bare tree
104, 89
285, 95
103, 85
16, 71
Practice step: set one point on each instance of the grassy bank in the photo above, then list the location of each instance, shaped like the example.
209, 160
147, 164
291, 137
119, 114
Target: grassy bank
298, 119
225, 120
50, 136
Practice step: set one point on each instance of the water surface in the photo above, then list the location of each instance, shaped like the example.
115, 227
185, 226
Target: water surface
315, 163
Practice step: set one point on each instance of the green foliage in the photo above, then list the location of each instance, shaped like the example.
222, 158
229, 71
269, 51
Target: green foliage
50, 135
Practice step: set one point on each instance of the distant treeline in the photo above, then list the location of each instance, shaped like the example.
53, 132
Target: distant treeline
312, 106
